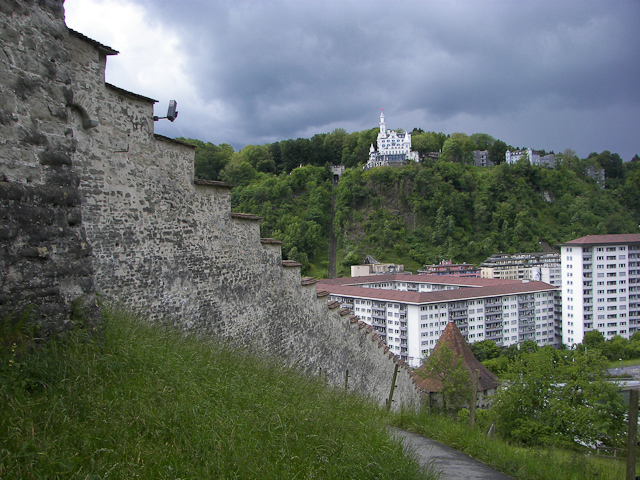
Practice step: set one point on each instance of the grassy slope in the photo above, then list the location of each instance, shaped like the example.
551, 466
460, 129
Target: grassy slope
518, 462
147, 402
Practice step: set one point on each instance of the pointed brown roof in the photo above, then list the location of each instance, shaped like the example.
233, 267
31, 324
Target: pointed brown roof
452, 336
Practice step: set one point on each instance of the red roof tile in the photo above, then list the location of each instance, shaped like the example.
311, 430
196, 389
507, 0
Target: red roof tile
621, 238
511, 288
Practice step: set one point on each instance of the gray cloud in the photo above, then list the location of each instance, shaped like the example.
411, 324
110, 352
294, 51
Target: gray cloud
549, 75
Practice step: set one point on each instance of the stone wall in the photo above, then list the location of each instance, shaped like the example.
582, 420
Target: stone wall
118, 212
45, 258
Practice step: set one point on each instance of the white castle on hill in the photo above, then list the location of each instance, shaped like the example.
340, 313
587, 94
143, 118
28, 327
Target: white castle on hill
393, 148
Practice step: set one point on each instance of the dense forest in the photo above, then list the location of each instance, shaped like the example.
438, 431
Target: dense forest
425, 212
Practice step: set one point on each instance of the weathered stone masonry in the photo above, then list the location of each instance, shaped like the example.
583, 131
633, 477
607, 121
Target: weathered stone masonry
92, 201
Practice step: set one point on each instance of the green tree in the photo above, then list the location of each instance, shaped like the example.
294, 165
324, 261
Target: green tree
209, 159
485, 350
447, 367
612, 165
259, 157
238, 171
497, 152
458, 148
593, 339
482, 141
549, 399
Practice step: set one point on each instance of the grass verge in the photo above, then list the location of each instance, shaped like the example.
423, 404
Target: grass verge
518, 462
150, 402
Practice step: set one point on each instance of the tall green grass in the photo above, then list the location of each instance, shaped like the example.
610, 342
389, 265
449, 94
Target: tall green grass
149, 402
518, 462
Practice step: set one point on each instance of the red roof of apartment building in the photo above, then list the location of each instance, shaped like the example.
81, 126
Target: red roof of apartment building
621, 238
512, 287
412, 278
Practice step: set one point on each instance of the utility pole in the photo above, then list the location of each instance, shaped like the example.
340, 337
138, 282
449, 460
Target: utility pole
393, 386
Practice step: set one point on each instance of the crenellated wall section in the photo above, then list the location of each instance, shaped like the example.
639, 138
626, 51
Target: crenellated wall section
93, 202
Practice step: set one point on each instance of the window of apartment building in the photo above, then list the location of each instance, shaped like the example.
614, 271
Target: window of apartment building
611, 249
622, 257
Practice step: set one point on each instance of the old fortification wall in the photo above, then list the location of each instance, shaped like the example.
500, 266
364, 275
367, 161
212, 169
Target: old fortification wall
94, 202
45, 258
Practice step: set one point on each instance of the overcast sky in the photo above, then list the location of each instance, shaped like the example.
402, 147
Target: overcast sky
542, 74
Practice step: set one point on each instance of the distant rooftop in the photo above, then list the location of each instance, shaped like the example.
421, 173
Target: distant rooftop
622, 238
509, 287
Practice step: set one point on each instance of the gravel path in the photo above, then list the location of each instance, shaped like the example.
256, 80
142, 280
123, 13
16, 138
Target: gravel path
452, 464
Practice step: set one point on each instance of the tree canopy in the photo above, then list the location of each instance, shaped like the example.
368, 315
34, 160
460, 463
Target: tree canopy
425, 212
551, 399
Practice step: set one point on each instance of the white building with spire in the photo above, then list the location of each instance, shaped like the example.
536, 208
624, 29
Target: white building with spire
393, 148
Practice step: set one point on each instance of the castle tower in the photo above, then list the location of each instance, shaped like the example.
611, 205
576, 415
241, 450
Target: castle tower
383, 127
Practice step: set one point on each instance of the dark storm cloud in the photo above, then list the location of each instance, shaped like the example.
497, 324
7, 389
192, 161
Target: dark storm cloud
288, 68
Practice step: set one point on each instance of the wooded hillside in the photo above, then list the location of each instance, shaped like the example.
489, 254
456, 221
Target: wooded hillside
420, 213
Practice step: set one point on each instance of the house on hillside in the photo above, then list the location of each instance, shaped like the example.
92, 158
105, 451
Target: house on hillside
447, 267
534, 266
481, 158
393, 148
431, 386
535, 158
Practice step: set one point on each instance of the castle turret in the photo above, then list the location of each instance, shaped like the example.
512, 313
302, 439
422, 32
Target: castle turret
383, 127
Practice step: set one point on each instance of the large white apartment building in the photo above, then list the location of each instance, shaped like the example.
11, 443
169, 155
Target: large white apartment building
410, 312
600, 286
393, 148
